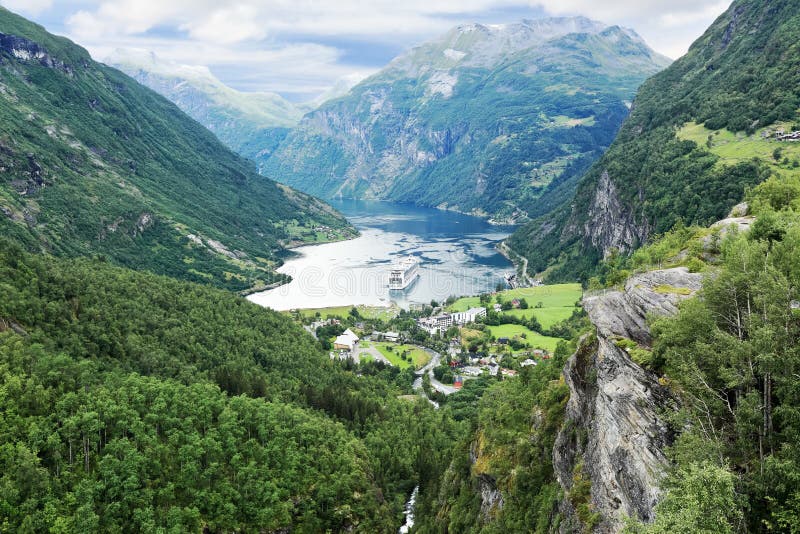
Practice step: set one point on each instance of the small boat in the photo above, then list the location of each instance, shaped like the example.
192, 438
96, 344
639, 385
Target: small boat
403, 273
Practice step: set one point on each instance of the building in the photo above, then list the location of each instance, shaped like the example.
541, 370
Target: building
526, 363
391, 336
437, 323
469, 316
497, 308
347, 341
791, 136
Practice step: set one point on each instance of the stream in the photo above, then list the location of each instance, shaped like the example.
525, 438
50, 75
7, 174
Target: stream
409, 512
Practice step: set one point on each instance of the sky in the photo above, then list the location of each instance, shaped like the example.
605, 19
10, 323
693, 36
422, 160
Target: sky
299, 48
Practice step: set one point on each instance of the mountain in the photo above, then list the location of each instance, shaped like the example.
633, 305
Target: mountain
251, 124
339, 89
91, 162
700, 133
485, 119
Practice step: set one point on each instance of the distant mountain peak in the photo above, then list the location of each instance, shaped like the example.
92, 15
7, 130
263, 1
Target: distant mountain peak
483, 45
481, 119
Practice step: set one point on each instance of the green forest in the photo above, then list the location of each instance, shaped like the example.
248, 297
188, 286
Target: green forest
135, 402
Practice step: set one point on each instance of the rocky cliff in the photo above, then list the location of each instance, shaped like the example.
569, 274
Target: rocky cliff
613, 434
486, 119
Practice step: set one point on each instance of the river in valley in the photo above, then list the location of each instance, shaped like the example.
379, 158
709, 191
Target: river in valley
457, 254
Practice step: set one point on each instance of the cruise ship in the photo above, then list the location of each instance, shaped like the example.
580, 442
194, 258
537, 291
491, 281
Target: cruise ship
403, 273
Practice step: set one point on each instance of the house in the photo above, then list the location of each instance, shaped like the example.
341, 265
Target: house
538, 353
391, 336
458, 381
472, 371
515, 303
508, 372
497, 308
502, 340
347, 341
526, 363
792, 136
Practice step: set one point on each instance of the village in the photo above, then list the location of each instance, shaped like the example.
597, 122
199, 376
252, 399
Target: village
495, 335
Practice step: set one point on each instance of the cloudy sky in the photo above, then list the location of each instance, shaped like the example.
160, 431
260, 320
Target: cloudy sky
298, 48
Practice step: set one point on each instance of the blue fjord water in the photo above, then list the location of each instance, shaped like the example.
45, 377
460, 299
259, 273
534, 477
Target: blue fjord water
457, 252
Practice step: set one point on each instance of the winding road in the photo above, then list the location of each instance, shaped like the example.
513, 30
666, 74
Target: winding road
436, 358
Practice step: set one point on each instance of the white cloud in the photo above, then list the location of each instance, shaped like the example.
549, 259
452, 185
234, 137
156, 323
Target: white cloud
262, 35
669, 26
27, 7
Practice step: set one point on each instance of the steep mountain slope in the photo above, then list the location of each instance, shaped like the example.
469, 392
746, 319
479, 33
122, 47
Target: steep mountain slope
484, 120
91, 162
740, 81
251, 124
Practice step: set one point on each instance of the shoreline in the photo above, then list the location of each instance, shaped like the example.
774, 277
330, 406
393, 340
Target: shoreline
290, 248
520, 266
288, 302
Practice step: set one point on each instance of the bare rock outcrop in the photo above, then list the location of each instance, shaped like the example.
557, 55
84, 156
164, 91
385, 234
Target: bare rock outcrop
613, 434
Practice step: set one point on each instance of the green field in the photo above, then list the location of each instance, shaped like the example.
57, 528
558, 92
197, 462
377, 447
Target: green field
536, 341
551, 296
558, 302
420, 357
735, 148
367, 312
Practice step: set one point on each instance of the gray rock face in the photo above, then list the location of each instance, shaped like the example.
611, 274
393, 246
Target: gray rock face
610, 224
612, 424
24, 49
491, 498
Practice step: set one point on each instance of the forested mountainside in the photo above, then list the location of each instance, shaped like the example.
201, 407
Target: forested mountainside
91, 162
251, 124
701, 132
491, 120
136, 402
677, 412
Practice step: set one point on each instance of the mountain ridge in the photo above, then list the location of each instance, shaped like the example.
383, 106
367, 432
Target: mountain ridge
174, 200
482, 120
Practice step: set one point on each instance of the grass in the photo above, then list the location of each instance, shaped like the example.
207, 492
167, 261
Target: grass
547, 316
672, 290
392, 351
367, 312
735, 148
536, 341
551, 296
557, 302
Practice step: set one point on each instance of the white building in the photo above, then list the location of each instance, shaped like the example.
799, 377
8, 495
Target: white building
391, 336
437, 323
469, 316
347, 341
